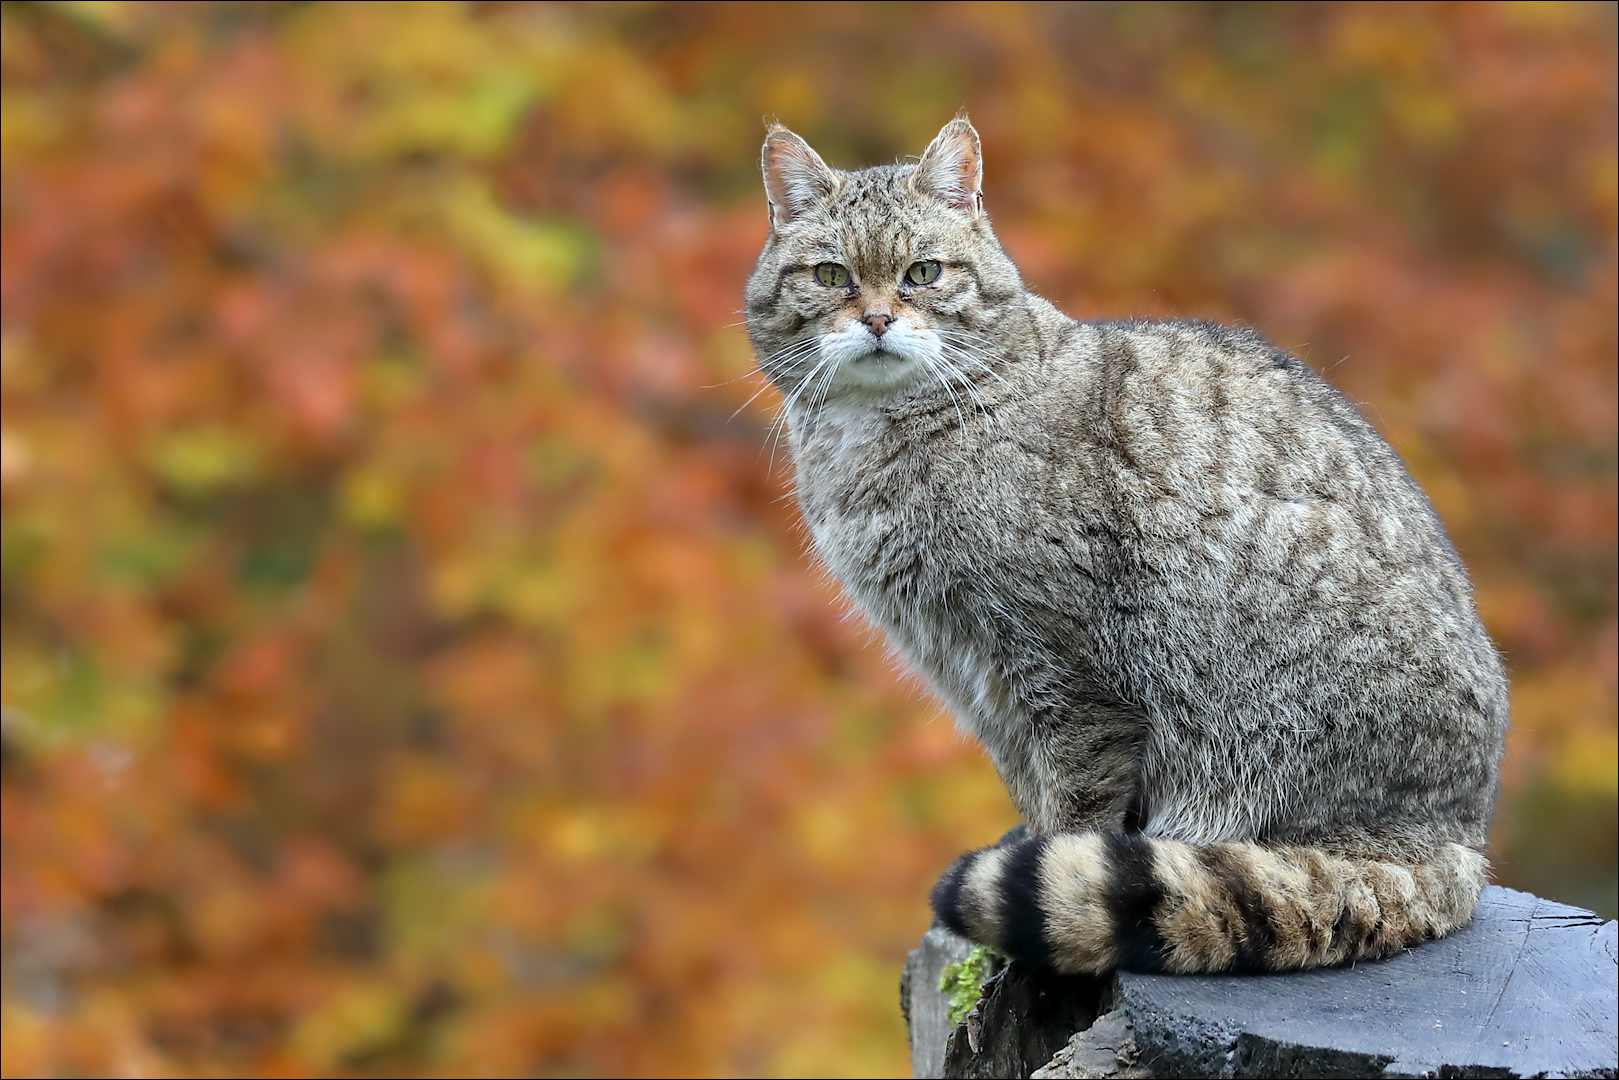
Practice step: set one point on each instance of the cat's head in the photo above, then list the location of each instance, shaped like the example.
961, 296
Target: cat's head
876, 282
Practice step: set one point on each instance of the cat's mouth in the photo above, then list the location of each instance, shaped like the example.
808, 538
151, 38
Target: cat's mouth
871, 365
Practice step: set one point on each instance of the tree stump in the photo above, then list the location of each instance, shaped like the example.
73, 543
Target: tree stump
1528, 988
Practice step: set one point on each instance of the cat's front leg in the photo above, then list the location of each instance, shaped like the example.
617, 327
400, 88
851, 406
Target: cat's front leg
1089, 771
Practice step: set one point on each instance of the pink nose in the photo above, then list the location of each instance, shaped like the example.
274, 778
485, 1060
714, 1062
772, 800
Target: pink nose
877, 322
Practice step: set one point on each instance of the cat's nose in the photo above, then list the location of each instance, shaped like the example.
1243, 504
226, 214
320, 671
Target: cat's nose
877, 322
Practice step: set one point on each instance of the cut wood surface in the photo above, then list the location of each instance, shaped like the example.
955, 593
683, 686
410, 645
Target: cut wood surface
1527, 989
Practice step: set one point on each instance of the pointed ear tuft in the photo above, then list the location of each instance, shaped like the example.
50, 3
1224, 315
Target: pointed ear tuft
795, 176
952, 168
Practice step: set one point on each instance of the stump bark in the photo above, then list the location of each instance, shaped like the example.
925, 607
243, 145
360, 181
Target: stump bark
1528, 988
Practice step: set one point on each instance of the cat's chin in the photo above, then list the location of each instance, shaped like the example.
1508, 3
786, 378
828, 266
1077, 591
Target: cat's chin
882, 363
864, 369
879, 373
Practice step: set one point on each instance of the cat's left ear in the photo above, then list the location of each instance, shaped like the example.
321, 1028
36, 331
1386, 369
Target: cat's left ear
952, 168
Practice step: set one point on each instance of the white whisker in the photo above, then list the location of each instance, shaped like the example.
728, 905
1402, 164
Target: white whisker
779, 424
779, 360
968, 347
974, 362
936, 367
751, 399
971, 387
966, 384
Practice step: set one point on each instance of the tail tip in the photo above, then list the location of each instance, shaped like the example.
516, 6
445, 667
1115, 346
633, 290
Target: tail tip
945, 899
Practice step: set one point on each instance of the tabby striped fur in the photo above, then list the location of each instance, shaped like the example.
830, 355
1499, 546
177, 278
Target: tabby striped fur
1091, 902
1210, 632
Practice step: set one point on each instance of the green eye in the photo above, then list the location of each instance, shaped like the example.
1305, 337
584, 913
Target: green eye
922, 273
832, 275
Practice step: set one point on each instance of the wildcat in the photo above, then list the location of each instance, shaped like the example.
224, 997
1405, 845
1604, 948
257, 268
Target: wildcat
1210, 631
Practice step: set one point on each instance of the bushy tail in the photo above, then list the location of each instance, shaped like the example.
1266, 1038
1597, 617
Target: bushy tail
1091, 902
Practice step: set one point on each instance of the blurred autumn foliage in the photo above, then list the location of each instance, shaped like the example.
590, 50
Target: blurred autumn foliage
409, 669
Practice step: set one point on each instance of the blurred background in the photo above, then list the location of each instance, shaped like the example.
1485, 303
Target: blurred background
410, 665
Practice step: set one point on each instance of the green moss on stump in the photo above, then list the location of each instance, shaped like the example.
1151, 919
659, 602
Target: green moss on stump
964, 981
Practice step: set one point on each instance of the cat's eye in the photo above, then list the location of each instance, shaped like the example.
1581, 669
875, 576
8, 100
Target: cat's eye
922, 273
832, 275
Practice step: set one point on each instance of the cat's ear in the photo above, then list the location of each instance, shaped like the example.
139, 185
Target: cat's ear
795, 176
952, 168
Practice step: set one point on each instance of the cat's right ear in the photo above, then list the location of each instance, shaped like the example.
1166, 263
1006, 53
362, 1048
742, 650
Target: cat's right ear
795, 176
952, 168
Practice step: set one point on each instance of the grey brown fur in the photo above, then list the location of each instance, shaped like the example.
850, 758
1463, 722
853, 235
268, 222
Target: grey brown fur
1210, 631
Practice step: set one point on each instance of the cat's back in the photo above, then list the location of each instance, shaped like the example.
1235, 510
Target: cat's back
1191, 403
1193, 427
